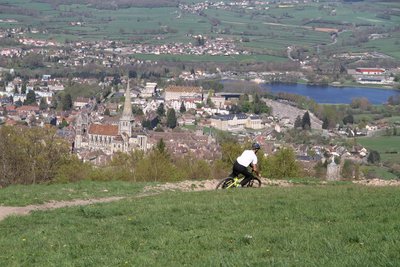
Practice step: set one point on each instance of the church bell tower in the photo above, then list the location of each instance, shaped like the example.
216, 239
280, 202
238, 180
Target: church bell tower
126, 120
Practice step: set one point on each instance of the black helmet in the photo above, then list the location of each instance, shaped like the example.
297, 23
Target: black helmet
255, 146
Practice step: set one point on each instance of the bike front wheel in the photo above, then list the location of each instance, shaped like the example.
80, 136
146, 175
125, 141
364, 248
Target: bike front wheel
225, 183
255, 182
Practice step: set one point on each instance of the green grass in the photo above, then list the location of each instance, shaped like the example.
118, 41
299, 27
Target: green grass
384, 145
22, 195
393, 119
298, 226
381, 172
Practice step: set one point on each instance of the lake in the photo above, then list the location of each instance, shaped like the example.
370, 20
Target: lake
332, 94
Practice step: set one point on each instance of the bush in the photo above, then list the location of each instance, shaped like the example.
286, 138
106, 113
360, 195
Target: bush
374, 157
73, 170
281, 165
350, 170
320, 170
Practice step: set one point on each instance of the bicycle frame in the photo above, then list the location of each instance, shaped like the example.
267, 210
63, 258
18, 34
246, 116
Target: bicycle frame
236, 182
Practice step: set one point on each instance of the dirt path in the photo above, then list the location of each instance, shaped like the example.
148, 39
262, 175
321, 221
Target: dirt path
185, 186
7, 211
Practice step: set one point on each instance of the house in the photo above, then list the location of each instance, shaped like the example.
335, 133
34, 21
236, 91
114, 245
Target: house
187, 119
370, 71
149, 90
236, 122
24, 111
81, 102
178, 92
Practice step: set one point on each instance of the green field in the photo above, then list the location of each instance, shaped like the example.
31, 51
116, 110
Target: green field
334, 225
387, 146
267, 30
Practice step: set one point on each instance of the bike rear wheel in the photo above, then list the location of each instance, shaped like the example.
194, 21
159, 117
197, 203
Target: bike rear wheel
255, 182
225, 183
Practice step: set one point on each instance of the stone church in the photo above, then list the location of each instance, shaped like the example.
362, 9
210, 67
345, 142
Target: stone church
110, 138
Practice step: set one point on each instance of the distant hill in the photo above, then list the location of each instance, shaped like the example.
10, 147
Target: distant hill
116, 4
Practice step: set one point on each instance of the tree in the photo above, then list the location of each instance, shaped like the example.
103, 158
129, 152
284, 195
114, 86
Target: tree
63, 124
107, 112
306, 121
281, 165
374, 157
54, 102
349, 119
23, 88
66, 102
325, 123
30, 98
161, 110
259, 107
161, 146
297, 122
182, 109
136, 110
18, 103
361, 103
171, 118
156, 166
43, 104
41, 151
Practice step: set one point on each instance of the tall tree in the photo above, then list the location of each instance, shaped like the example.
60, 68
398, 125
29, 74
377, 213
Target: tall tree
306, 121
171, 118
54, 102
161, 110
23, 88
297, 122
325, 123
161, 146
67, 102
182, 109
30, 98
43, 104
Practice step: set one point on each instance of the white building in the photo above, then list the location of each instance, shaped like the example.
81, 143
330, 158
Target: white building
236, 122
178, 92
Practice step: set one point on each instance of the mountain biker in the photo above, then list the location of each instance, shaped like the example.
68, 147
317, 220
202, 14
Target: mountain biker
247, 158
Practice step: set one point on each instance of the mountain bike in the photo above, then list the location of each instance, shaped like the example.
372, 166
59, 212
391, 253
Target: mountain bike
233, 182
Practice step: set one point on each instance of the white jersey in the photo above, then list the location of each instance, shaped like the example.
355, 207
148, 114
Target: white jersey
247, 157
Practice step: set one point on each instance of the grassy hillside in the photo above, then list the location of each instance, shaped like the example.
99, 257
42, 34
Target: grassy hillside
387, 146
334, 225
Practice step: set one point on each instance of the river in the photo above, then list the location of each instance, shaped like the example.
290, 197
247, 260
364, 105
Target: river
333, 94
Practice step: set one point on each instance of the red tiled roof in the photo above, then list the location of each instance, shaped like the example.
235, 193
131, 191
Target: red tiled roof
28, 108
10, 122
103, 129
370, 70
10, 108
82, 99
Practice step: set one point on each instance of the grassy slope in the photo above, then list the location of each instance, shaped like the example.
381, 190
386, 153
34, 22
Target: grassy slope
384, 145
21, 195
344, 225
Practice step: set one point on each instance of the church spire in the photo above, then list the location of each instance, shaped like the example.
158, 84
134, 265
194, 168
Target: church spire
126, 120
